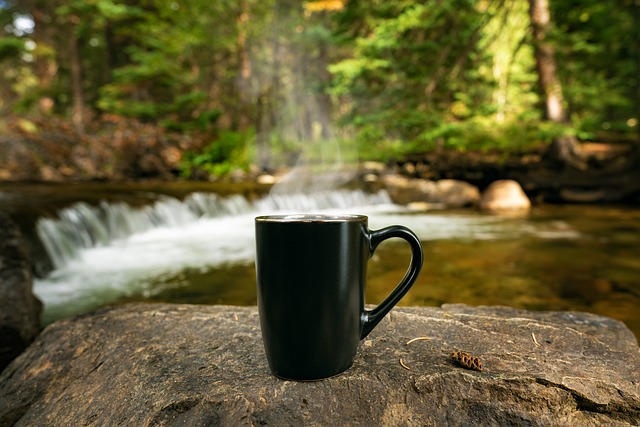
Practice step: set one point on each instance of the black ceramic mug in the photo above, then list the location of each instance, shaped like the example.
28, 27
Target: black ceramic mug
311, 272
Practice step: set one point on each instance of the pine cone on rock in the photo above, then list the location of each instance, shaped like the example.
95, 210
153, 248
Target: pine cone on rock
467, 361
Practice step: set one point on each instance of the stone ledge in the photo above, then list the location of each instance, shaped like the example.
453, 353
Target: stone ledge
19, 308
160, 364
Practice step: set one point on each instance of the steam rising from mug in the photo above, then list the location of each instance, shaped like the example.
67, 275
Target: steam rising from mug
285, 83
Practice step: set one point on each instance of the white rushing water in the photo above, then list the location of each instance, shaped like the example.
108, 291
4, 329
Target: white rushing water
102, 253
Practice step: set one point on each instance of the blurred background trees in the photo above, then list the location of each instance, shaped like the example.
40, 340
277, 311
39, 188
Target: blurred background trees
261, 79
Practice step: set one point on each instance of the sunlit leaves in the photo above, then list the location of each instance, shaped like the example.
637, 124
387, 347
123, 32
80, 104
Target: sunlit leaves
323, 5
409, 60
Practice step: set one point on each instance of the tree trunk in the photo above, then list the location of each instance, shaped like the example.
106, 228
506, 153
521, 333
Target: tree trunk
550, 87
46, 66
564, 150
243, 119
76, 83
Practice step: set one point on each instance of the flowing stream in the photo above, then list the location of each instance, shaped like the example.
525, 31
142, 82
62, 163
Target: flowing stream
198, 247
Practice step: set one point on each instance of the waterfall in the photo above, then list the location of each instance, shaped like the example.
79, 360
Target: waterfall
111, 250
82, 226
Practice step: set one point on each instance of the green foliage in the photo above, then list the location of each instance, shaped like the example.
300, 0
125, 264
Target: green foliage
10, 47
203, 121
476, 133
598, 41
482, 133
230, 151
413, 66
461, 74
155, 71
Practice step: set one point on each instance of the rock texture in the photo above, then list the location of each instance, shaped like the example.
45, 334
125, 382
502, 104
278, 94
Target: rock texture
448, 192
19, 308
165, 365
504, 195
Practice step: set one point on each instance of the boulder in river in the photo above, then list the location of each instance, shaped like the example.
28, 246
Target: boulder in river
446, 192
160, 364
504, 195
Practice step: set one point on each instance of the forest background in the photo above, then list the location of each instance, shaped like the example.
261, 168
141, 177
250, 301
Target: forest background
115, 89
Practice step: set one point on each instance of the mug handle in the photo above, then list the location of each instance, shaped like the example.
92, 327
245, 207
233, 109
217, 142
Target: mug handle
370, 318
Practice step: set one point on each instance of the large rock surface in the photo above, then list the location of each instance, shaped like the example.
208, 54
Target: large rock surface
19, 308
152, 365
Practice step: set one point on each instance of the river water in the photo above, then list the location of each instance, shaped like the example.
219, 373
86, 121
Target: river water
107, 244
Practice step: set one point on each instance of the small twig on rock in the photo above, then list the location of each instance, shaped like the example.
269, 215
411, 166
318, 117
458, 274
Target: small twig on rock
534, 338
404, 365
417, 339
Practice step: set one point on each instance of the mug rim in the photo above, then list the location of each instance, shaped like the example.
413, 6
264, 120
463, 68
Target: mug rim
312, 218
